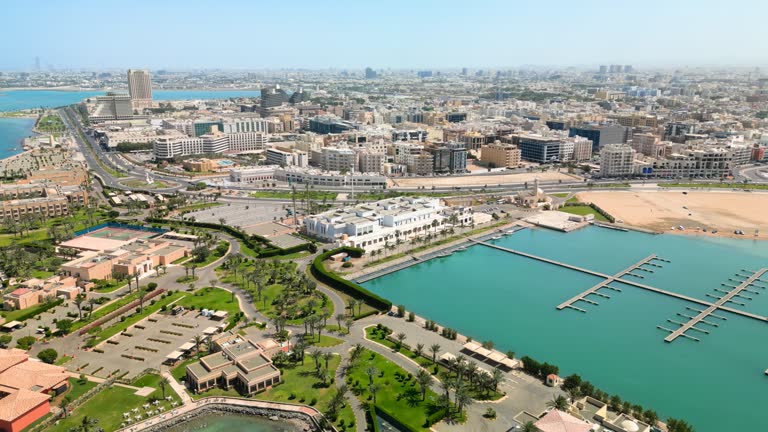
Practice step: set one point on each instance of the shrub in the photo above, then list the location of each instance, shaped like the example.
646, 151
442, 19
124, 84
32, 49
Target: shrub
48, 355
341, 284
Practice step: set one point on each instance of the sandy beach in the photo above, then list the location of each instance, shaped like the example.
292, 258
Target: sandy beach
724, 211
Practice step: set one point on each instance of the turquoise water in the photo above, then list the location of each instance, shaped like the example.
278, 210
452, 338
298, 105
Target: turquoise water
13, 100
229, 423
12, 131
716, 384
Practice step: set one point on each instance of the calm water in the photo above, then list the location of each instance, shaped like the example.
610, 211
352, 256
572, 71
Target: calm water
12, 131
229, 423
716, 384
25, 99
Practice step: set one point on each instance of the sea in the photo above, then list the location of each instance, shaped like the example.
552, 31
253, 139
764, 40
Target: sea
12, 132
716, 384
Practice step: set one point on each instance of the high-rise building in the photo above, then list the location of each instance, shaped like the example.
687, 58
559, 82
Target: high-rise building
540, 149
424, 74
140, 88
273, 96
617, 160
603, 69
299, 96
340, 159
370, 73
112, 106
464, 71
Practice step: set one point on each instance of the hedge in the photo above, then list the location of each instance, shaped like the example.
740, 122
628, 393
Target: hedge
264, 248
343, 285
436, 417
36, 311
365, 315
370, 414
389, 417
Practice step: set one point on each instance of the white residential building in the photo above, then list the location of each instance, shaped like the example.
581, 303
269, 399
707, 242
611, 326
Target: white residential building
340, 159
617, 160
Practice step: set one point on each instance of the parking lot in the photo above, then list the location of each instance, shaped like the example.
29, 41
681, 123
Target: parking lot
240, 215
144, 345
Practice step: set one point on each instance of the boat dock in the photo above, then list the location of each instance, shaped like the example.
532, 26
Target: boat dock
582, 296
718, 304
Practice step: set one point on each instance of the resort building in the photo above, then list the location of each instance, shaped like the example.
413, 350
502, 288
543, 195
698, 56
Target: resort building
373, 225
26, 387
35, 291
135, 258
558, 421
40, 199
237, 363
214, 142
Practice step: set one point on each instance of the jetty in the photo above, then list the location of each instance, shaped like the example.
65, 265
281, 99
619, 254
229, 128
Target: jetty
718, 304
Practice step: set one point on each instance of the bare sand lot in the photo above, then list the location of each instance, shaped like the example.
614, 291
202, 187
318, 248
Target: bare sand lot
724, 211
481, 180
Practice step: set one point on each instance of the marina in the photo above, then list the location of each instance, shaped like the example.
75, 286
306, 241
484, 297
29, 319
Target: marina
521, 279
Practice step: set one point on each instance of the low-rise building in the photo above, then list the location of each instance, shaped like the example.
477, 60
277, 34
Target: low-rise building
499, 155
237, 363
373, 225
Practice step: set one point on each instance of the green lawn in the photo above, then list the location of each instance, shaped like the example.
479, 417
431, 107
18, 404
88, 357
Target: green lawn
180, 371
76, 389
212, 299
583, 210
295, 255
301, 385
398, 396
300, 194
15, 314
425, 361
62, 360
108, 407
325, 341
104, 310
749, 186
213, 256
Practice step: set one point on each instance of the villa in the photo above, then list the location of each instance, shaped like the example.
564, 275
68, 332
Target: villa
25, 388
237, 363
374, 225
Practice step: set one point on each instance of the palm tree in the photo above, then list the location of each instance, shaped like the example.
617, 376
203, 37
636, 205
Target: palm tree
559, 403
198, 340
91, 305
327, 356
434, 348
316, 354
86, 424
164, 382
339, 318
371, 371
352, 304
496, 377
324, 375
419, 349
424, 379
79, 299
64, 404
463, 399
529, 427
373, 388
142, 294
355, 353
574, 393
400, 338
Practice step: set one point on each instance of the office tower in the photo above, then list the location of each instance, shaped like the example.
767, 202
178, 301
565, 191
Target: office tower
424, 74
273, 96
464, 71
370, 73
628, 69
140, 88
299, 96
601, 135
37, 63
112, 106
603, 69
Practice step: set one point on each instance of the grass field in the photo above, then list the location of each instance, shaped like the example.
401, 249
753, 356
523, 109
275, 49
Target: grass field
324, 341
583, 210
213, 256
212, 299
397, 395
301, 385
109, 405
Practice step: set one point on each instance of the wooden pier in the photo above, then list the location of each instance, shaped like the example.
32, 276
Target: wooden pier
717, 305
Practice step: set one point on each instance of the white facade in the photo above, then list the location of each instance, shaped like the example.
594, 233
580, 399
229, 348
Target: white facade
374, 225
617, 160
248, 124
330, 178
253, 174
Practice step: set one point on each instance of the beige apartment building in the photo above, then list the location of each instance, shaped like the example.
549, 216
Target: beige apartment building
500, 155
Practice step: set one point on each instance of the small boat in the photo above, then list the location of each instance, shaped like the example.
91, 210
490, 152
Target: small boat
444, 255
461, 248
496, 237
766, 371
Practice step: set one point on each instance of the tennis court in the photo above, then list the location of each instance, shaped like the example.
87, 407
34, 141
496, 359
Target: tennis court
119, 233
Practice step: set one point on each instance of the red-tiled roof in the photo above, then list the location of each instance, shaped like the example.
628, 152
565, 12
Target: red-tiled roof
19, 403
558, 421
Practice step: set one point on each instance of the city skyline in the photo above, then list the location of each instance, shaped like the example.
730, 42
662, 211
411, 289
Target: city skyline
487, 34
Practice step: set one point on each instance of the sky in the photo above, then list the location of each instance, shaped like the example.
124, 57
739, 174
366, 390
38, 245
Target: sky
396, 34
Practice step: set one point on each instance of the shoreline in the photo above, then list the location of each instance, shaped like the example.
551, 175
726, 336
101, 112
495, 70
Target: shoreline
89, 89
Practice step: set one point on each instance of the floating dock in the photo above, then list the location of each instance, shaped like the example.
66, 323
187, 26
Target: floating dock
718, 304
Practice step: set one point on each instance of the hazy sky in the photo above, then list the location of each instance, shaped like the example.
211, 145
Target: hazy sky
253, 34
